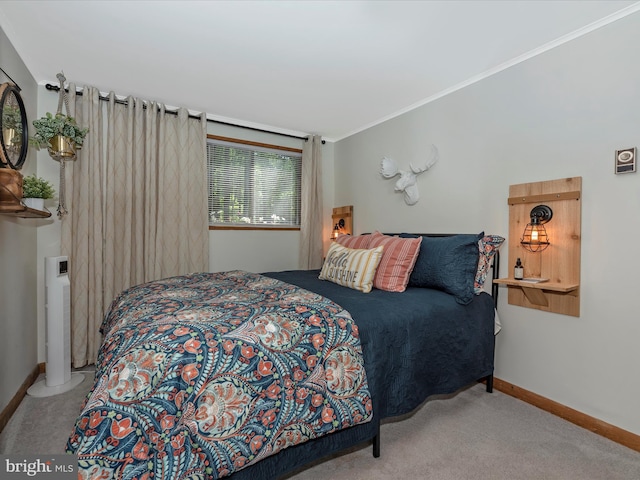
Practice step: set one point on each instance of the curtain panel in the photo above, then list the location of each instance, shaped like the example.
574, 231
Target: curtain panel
311, 245
137, 202
81, 229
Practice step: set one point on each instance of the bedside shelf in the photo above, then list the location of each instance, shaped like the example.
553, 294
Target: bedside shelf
551, 286
19, 210
540, 294
559, 261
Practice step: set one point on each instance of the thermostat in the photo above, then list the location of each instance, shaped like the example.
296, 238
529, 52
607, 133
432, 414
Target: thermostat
625, 160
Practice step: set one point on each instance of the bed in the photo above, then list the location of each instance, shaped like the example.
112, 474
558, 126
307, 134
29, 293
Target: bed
413, 344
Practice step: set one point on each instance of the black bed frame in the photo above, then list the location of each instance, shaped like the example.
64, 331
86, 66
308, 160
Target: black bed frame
291, 469
495, 273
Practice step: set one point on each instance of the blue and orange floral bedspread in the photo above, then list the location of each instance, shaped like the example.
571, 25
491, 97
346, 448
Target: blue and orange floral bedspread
201, 375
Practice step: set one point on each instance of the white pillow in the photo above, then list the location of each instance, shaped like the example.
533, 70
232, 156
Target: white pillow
351, 267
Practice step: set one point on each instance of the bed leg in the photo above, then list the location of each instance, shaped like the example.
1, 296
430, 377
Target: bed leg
490, 384
376, 443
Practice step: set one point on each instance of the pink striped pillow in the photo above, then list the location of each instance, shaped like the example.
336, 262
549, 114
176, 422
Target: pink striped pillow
358, 241
397, 262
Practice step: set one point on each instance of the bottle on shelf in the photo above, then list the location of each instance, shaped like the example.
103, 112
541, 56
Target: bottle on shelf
518, 271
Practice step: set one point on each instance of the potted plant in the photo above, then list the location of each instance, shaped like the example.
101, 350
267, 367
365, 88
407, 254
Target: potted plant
60, 134
35, 191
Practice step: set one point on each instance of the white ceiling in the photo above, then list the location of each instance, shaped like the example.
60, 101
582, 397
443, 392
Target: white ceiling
326, 67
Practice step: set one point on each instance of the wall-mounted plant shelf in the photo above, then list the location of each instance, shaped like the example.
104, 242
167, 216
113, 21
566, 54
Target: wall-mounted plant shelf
11, 194
19, 210
560, 262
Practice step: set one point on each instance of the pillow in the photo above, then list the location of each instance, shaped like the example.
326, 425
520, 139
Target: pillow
488, 246
349, 267
397, 262
359, 241
448, 264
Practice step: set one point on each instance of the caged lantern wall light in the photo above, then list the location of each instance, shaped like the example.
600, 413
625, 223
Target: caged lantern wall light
534, 237
338, 229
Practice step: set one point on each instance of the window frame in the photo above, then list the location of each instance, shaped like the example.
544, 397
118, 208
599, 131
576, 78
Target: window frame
240, 141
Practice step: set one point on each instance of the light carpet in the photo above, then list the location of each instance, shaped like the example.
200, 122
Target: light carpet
469, 435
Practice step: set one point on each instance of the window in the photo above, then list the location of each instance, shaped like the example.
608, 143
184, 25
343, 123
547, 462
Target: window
253, 185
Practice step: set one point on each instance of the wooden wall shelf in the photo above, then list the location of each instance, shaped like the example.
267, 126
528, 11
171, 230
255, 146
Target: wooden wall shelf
540, 294
11, 196
560, 262
22, 211
551, 286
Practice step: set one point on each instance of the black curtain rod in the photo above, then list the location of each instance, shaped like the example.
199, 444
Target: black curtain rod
56, 88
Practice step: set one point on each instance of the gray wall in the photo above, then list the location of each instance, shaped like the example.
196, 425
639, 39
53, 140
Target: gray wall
557, 115
560, 114
18, 269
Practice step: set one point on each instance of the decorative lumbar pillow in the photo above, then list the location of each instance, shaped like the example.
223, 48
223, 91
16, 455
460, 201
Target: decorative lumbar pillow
488, 246
397, 262
449, 264
349, 267
357, 241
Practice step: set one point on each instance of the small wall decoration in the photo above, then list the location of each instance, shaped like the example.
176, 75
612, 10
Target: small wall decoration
407, 182
625, 160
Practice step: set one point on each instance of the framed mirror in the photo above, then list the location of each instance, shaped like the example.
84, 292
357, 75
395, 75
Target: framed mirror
13, 126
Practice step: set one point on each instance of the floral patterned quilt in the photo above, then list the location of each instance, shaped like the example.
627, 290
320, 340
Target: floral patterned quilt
202, 375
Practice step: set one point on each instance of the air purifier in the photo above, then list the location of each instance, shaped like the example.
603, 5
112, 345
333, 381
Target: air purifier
58, 376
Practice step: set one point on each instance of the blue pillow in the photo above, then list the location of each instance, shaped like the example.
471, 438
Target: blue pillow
448, 264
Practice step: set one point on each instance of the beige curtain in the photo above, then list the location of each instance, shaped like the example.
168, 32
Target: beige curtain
311, 245
137, 207
81, 236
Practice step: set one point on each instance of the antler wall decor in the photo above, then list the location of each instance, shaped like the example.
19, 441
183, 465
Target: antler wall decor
407, 182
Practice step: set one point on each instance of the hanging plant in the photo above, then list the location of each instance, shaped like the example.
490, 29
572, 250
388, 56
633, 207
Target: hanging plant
61, 136
51, 126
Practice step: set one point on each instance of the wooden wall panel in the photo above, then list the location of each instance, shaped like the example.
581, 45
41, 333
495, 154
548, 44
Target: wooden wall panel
560, 261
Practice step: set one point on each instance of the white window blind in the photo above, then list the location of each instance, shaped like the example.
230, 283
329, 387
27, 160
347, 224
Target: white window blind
253, 186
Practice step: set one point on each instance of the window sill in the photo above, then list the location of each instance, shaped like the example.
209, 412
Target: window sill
252, 227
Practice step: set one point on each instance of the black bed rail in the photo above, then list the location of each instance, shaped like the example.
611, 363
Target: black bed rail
495, 269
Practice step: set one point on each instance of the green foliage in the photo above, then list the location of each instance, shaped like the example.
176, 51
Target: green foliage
11, 118
50, 125
249, 187
36, 187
